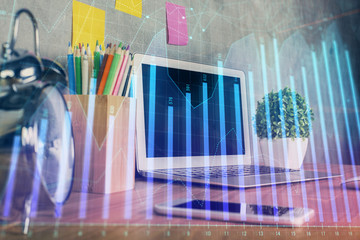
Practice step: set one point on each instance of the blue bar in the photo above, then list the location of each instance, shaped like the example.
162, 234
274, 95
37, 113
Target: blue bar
130, 156
38, 167
170, 148
239, 144
206, 149
206, 119
277, 65
268, 122
152, 96
312, 143
222, 109
328, 164
324, 137
188, 154
132, 83
298, 146
336, 132
223, 138
149, 195
62, 177
12, 174
353, 91
87, 152
92, 88
238, 120
347, 125
296, 118
256, 146
188, 125
150, 143
286, 154
35, 192
108, 167
283, 132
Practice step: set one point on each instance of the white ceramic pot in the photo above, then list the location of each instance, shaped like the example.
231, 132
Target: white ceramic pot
286, 152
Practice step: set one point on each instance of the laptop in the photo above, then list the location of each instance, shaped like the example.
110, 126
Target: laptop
193, 125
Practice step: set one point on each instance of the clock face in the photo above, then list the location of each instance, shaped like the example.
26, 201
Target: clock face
53, 146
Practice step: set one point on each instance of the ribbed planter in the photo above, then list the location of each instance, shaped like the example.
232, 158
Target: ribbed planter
287, 153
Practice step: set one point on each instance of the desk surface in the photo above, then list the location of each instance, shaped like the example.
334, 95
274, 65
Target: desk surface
335, 208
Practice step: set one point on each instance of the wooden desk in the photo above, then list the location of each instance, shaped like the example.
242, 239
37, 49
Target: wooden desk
130, 213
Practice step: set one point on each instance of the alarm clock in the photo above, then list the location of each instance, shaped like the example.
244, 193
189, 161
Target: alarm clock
36, 140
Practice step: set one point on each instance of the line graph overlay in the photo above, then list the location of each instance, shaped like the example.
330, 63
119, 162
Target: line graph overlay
204, 19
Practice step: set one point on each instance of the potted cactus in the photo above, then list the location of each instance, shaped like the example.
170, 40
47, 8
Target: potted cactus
288, 131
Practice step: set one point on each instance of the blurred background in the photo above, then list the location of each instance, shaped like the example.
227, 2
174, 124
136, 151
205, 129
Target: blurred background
284, 39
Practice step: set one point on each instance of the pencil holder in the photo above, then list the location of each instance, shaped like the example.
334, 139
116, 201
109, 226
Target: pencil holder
104, 135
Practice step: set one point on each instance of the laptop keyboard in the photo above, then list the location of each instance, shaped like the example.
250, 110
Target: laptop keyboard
219, 171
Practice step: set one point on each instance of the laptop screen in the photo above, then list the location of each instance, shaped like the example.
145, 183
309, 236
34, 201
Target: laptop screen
189, 113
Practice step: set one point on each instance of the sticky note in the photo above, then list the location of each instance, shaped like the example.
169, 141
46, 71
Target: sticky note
88, 24
177, 33
133, 7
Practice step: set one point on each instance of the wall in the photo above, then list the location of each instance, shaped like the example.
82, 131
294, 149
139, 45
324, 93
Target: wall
233, 32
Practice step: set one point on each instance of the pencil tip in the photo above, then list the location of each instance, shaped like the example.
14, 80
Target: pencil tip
69, 43
128, 47
97, 42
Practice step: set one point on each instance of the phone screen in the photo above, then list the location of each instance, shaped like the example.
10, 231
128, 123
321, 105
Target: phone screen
235, 207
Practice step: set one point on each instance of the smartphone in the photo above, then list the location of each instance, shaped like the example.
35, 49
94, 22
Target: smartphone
237, 212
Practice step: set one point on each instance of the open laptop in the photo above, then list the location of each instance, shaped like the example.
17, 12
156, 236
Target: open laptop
193, 125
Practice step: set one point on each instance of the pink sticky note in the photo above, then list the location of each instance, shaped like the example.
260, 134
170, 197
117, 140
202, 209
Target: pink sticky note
177, 33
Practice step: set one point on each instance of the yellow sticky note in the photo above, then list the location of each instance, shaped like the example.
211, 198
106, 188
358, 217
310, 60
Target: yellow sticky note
133, 7
88, 25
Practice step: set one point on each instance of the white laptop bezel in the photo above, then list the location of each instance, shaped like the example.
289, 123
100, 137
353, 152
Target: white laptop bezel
149, 164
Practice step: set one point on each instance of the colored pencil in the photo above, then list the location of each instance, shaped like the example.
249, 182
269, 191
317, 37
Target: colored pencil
97, 59
71, 70
90, 61
113, 70
106, 71
129, 79
123, 80
102, 67
82, 52
121, 73
78, 71
85, 73
102, 52
118, 69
